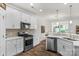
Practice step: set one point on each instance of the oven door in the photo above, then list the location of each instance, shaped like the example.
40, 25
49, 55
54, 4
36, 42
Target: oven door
28, 42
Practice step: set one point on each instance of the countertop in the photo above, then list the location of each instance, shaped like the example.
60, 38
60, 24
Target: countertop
75, 42
11, 38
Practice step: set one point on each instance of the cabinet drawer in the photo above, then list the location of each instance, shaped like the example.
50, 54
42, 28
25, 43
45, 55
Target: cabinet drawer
68, 50
67, 42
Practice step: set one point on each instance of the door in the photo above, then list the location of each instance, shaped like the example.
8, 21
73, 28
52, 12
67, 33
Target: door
10, 47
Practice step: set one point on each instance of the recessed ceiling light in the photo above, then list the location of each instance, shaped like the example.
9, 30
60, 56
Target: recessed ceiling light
65, 3
70, 22
41, 10
57, 23
31, 4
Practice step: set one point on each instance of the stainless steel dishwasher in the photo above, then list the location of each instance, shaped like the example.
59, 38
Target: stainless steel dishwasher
52, 43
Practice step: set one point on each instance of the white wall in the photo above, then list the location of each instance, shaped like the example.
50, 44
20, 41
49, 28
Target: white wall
42, 21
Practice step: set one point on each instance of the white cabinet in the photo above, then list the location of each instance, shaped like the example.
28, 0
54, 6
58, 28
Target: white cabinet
33, 22
13, 46
19, 45
68, 50
26, 18
13, 17
10, 47
65, 47
60, 46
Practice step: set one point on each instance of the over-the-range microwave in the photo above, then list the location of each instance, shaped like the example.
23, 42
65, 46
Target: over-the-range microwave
24, 25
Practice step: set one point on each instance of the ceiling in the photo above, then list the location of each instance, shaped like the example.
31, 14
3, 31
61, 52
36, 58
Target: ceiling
49, 9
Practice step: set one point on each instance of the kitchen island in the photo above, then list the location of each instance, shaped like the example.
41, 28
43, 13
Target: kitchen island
63, 45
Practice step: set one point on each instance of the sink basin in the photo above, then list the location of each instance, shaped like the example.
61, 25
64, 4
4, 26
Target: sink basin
70, 39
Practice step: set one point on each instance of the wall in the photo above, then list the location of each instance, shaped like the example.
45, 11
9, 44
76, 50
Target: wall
42, 21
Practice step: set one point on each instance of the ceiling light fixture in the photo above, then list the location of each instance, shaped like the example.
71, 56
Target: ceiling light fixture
57, 23
65, 3
31, 4
70, 14
41, 10
57, 13
70, 22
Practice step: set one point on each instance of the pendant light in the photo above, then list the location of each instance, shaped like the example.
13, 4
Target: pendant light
70, 21
58, 24
70, 14
57, 17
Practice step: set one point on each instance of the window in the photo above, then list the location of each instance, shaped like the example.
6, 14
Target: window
60, 28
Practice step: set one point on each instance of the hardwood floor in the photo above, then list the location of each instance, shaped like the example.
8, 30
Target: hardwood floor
39, 51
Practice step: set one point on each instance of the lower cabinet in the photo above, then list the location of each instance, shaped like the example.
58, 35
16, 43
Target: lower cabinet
10, 47
19, 45
68, 50
13, 46
60, 46
65, 48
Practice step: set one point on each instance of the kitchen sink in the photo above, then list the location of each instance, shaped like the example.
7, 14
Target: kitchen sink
70, 39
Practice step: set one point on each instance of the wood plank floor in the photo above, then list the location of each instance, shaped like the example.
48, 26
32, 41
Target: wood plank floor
39, 51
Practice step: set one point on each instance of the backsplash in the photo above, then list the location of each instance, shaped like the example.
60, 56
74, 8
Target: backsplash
13, 32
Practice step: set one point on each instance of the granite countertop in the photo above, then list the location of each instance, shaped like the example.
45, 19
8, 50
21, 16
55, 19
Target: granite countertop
53, 36
11, 38
75, 42
61, 37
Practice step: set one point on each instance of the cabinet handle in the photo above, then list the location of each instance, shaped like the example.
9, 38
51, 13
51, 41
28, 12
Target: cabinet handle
63, 47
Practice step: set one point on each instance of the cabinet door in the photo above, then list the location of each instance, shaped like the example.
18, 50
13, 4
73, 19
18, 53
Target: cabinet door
20, 45
68, 48
65, 47
33, 22
25, 18
60, 46
18, 19
10, 47
10, 17
13, 17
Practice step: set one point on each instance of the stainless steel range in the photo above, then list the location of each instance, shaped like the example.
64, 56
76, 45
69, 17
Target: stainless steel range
28, 40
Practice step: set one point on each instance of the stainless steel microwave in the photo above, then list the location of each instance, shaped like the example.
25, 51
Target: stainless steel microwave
24, 25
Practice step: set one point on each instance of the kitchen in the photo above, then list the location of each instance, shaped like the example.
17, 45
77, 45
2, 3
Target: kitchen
24, 28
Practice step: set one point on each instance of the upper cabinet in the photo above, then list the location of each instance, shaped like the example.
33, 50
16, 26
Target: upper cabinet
29, 19
13, 18
33, 22
26, 18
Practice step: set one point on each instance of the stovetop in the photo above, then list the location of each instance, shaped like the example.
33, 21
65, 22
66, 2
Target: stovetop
25, 35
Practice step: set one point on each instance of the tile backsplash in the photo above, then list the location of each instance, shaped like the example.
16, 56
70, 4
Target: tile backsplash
14, 32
